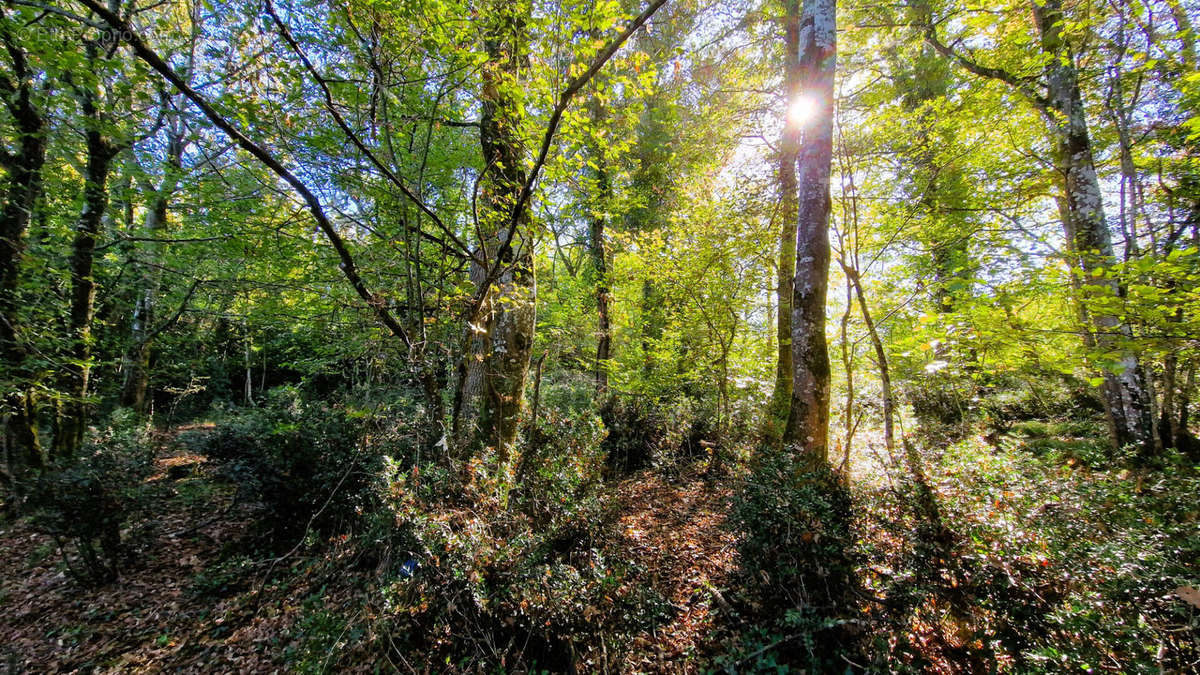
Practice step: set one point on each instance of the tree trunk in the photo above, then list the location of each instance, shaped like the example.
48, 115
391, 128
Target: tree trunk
22, 196
100, 152
652, 321
137, 357
1168, 422
885, 373
1185, 400
248, 379
781, 397
505, 276
808, 421
599, 254
1126, 397
848, 425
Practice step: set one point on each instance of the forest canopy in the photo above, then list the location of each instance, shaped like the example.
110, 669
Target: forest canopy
671, 336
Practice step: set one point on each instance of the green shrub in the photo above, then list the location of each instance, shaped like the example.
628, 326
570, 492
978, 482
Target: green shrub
85, 504
1082, 441
320, 634
561, 463
223, 578
510, 560
309, 464
643, 432
1063, 397
795, 533
941, 399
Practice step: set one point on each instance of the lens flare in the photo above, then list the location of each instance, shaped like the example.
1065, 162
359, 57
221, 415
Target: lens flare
802, 109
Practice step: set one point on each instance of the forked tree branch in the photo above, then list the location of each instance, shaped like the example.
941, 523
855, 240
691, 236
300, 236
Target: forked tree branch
286, 33
349, 269
564, 101
1021, 84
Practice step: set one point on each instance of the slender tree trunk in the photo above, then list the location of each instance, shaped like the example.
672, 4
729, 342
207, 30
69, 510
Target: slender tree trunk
100, 153
1126, 396
599, 254
22, 195
506, 320
1183, 435
848, 425
137, 357
1168, 422
649, 321
789, 149
1185, 400
464, 407
248, 379
1187, 34
808, 421
885, 373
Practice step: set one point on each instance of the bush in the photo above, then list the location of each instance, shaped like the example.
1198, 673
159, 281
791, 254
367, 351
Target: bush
643, 432
941, 399
1062, 397
308, 464
1082, 441
511, 562
561, 464
795, 532
84, 505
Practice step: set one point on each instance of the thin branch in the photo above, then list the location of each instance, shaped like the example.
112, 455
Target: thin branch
1022, 84
349, 269
48, 9
121, 239
174, 318
345, 127
564, 101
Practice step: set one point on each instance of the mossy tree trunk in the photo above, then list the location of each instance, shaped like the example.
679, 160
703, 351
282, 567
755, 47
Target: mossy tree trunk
808, 421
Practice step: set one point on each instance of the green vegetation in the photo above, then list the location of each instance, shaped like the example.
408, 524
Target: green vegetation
554, 336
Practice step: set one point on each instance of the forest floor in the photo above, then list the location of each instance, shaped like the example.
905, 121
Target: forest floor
1028, 513
675, 530
153, 618
186, 601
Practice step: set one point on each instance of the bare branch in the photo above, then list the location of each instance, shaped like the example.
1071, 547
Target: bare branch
1021, 84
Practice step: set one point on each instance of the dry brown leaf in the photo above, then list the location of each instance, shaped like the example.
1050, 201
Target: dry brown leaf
1189, 595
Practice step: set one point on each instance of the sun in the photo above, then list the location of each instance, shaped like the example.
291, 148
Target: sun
802, 109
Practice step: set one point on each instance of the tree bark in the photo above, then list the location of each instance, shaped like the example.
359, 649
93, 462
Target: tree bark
72, 422
1185, 400
598, 250
808, 421
789, 148
505, 322
1127, 402
22, 196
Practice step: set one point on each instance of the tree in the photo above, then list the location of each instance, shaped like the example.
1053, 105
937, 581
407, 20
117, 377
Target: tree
1125, 391
795, 110
808, 423
23, 193
100, 151
598, 250
503, 270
